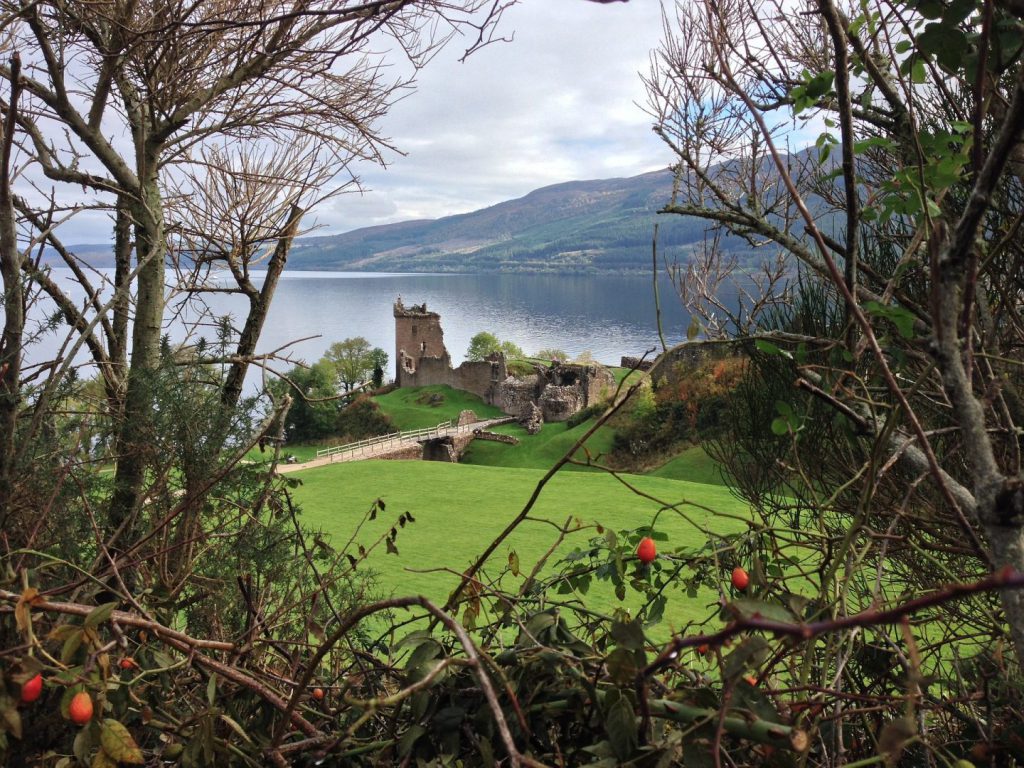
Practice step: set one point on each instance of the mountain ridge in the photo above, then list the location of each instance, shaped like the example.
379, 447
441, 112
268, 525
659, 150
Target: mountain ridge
592, 226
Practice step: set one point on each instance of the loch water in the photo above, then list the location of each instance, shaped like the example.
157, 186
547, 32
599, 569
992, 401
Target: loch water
606, 315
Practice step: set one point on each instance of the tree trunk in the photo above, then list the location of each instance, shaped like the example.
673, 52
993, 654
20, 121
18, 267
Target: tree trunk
14, 308
134, 439
259, 306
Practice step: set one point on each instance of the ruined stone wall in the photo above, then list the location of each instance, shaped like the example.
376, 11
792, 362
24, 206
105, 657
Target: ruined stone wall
476, 377
422, 360
427, 371
418, 335
481, 378
598, 383
559, 403
636, 363
515, 396
413, 452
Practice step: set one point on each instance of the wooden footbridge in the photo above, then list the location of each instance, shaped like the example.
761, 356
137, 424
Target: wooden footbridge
385, 445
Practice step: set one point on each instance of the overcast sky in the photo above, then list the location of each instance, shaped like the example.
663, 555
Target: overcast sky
558, 103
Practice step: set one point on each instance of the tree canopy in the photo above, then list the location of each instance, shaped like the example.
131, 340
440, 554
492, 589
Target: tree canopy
355, 362
485, 343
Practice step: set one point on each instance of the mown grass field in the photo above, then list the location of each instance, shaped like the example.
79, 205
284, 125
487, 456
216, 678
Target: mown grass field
459, 509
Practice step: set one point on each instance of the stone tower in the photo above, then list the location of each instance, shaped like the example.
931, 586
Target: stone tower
418, 335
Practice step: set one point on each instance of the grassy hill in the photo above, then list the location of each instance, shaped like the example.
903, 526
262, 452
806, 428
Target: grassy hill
601, 225
420, 407
539, 451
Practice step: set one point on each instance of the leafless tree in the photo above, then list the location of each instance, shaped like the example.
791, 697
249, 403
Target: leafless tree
904, 211
133, 102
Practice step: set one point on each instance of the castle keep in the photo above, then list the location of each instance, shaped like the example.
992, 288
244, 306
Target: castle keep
552, 393
422, 359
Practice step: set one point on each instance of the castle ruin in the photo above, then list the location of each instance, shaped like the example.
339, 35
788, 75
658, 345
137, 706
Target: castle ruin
422, 359
556, 391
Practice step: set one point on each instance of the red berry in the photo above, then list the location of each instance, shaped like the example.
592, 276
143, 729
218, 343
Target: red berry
127, 663
318, 694
32, 689
740, 579
703, 650
646, 551
80, 708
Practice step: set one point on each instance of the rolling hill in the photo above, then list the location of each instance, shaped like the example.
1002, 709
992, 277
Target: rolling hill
578, 226
599, 226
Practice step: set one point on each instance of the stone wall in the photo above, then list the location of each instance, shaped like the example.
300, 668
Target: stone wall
422, 359
637, 363
517, 395
495, 437
559, 403
413, 452
418, 334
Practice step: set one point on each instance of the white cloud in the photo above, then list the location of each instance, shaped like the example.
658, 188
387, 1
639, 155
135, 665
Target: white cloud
558, 103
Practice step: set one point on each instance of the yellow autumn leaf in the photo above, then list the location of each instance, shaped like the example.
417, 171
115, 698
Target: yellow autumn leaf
119, 744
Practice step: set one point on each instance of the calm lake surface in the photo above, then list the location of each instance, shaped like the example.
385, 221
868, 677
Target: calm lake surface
609, 316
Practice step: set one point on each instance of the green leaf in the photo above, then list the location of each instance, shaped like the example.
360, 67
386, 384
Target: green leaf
918, 73
539, 622
119, 744
749, 608
622, 666
752, 698
749, 652
234, 726
780, 426
767, 347
628, 634
211, 689
71, 645
947, 43
620, 724
12, 718
99, 614
819, 85
83, 744
513, 562
409, 739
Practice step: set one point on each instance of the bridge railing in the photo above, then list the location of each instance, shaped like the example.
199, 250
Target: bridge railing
390, 440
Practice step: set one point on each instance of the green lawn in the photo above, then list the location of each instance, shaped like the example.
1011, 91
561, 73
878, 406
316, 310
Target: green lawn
539, 451
622, 374
694, 465
459, 509
419, 407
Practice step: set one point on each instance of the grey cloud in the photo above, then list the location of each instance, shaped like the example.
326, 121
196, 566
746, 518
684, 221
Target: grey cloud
558, 103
